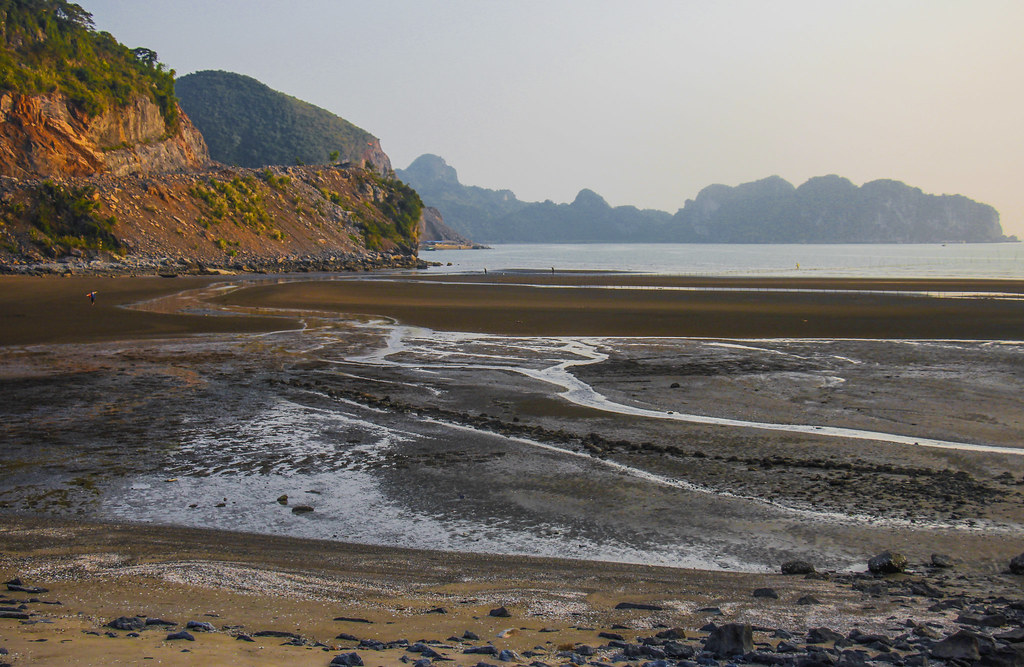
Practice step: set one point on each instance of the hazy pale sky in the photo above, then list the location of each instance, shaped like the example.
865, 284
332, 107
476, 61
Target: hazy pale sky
643, 101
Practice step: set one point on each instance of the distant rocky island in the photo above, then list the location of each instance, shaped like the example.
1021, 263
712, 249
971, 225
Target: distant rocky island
827, 209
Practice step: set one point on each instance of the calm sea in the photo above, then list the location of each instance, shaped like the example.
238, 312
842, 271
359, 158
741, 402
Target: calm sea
981, 260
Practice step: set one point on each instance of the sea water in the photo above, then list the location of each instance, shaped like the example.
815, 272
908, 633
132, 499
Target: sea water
956, 260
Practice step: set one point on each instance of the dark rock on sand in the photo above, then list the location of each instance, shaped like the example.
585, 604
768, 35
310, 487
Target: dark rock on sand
983, 620
941, 561
348, 659
766, 593
888, 562
1015, 636
349, 619
302, 509
159, 621
244, 638
797, 567
424, 650
638, 605
961, 646
283, 499
472, 636
31, 590
181, 634
436, 610
823, 636
347, 637
808, 599
1017, 564
201, 626
17, 615
508, 656
611, 635
500, 612
127, 623
730, 639
481, 650
276, 633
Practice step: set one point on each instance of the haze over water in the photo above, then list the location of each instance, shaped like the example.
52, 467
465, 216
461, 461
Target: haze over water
990, 260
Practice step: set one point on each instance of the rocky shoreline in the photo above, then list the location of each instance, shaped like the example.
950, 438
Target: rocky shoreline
110, 266
934, 614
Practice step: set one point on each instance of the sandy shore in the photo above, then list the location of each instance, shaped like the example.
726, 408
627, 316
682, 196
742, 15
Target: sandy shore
305, 602
246, 583
43, 310
664, 306
56, 310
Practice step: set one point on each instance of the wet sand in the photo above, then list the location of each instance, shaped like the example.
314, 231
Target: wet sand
56, 310
727, 308
275, 583
44, 310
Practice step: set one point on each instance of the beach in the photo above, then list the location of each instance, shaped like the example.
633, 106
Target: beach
677, 439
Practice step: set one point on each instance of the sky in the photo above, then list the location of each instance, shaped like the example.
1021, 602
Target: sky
645, 102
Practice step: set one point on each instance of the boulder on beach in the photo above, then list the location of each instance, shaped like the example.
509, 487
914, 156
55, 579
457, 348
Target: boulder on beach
961, 646
941, 561
500, 612
766, 593
730, 639
127, 623
797, 567
888, 562
1017, 564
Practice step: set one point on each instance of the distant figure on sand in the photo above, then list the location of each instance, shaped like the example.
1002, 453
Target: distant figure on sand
92, 297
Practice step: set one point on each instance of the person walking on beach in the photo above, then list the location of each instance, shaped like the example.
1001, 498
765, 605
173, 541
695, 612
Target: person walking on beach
92, 297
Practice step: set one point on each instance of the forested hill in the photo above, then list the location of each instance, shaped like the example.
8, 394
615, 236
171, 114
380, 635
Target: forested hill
827, 209
248, 124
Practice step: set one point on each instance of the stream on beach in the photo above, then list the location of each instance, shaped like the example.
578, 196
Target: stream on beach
715, 454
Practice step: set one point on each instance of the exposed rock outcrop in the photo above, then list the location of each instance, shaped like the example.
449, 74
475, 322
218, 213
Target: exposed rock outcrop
281, 219
435, 233
42, 135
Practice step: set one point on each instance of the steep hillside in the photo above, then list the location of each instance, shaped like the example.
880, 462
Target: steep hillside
76, 102
248, 124
828, 209
274, 219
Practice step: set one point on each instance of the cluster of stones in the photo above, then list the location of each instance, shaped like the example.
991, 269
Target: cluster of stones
172, 266
987, 632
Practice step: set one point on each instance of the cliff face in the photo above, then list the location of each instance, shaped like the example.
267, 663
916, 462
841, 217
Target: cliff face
375, 158
42, 135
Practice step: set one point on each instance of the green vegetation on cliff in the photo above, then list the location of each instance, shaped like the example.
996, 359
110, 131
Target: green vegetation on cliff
63, 218
49, 46
248, 124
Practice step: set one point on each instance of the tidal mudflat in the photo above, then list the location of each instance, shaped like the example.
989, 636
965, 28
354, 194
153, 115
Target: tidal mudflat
354, 426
